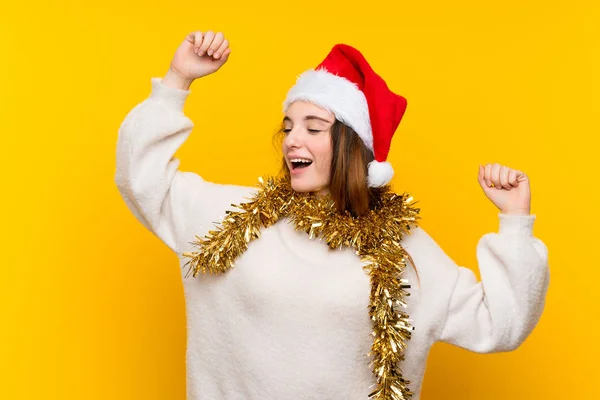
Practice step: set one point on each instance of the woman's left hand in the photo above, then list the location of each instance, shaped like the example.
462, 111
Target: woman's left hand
510, 192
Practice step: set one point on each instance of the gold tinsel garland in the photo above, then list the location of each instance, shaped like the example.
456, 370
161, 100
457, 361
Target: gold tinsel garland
375, 238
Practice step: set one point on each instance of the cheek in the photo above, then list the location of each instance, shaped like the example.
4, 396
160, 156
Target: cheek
326, 150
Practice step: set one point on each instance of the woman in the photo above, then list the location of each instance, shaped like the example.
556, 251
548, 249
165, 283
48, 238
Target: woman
295, 319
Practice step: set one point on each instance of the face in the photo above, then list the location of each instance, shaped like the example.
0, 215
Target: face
307, 146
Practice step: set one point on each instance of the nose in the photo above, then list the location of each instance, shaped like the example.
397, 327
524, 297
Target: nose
292, 139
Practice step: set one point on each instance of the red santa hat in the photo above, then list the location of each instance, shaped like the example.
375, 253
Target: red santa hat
345, 84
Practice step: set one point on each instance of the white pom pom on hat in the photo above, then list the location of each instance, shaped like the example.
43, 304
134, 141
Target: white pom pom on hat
380, 173
345, 84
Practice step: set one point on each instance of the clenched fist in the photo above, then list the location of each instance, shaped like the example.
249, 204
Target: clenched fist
200, 54
507, 188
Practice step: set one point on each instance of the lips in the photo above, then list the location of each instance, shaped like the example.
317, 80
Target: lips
298, 163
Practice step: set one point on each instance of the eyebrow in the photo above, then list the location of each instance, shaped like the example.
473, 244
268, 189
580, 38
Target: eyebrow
308, 118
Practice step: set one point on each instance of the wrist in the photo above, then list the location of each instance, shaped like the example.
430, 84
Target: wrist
516, 211
175, 80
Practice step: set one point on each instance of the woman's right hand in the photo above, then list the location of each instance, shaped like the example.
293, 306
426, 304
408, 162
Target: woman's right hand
200, 54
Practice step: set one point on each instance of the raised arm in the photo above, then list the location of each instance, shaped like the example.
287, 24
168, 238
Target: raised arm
500, 311
173, 204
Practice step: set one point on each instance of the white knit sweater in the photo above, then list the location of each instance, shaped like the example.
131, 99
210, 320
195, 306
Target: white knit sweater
290, 321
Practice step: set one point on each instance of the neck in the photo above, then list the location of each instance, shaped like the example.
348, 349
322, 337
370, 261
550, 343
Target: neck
322, 192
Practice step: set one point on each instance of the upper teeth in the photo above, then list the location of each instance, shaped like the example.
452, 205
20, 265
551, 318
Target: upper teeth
302, 160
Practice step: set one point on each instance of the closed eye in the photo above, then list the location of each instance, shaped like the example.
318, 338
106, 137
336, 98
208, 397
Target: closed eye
310, 130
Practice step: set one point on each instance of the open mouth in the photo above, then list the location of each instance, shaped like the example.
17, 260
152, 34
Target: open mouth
299, 163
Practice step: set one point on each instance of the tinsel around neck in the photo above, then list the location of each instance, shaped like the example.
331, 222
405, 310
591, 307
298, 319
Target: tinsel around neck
376, 238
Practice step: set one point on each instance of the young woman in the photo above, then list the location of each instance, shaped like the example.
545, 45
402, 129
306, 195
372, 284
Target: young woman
321, 284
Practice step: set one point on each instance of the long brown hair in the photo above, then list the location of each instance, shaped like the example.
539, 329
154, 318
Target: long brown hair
349, 168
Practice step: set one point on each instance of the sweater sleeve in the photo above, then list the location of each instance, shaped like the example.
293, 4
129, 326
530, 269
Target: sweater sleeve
172, 204
500, 311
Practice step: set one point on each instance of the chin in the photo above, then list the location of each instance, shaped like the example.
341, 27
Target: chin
301, 186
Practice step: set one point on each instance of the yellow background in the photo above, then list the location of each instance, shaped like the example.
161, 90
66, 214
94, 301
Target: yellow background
92, 304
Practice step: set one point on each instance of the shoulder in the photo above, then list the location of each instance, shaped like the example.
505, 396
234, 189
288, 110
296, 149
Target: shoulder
218, 196
208, 204
437, 270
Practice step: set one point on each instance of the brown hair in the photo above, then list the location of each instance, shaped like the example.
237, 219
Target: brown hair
349, 168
